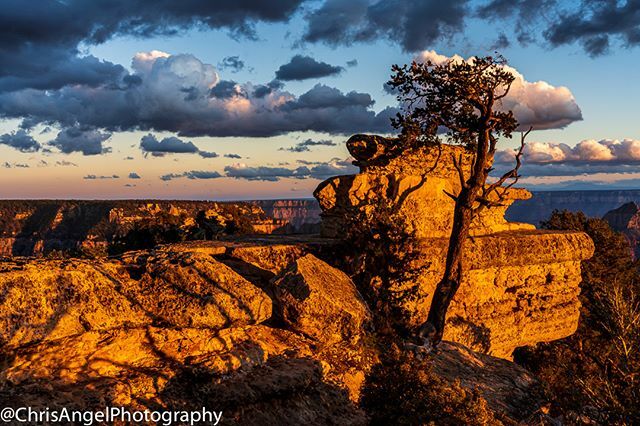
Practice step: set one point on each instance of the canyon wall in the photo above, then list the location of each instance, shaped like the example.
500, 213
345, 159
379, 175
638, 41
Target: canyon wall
592, 203
41, 227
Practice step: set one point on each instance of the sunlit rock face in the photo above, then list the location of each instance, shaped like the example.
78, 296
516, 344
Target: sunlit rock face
520, 285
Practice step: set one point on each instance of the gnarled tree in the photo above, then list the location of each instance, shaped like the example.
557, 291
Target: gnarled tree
458, 102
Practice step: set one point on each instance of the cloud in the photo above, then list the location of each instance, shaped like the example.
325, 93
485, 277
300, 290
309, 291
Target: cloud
305, 67
626, 151
538, 104
273, 174
193, 174
413, 24
8, 165
588, 157
65, 163
95, 177
20, 140
232, 156
39, 41
232, 63
305, 145
134, 175
595, 24
88, 141
352, 63
177, 93
171, 145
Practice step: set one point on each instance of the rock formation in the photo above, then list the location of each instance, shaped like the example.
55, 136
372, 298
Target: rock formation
267, 328
626, 220
131, 331
520, 285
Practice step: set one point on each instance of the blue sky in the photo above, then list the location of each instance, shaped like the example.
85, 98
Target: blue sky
70, 153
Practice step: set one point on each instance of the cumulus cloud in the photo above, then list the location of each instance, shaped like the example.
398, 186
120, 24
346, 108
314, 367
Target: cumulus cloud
537, 104
20, 140
88, 141
626, 151
306, 145
302, 67
588, 157
171, 145
181, 94
413, 24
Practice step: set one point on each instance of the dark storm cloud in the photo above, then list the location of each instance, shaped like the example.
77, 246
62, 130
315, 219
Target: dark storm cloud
262, 90
305, 67
88, 141
20, 140
306, 145
413, 24
232, 63
595, 23
159, 103
171, 144
39, 39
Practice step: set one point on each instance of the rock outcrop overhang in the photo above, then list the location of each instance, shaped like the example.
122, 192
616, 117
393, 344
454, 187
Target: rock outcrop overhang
520, 285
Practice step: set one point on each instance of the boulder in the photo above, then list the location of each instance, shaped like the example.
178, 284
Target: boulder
320, 301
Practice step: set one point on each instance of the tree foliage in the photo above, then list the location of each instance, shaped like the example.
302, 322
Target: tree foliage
595, 373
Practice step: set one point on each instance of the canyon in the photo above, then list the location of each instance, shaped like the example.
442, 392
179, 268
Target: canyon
276, 328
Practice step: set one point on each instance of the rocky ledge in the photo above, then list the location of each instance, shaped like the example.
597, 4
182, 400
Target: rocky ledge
262, 329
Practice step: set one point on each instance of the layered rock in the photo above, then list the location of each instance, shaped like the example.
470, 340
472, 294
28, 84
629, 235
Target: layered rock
131, 331
520, 286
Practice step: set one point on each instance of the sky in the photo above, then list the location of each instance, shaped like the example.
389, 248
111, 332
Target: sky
234, 100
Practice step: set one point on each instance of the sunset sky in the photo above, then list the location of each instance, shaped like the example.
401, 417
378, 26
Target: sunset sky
254, 99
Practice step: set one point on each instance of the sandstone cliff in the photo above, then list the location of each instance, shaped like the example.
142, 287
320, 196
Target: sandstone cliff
520, 285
